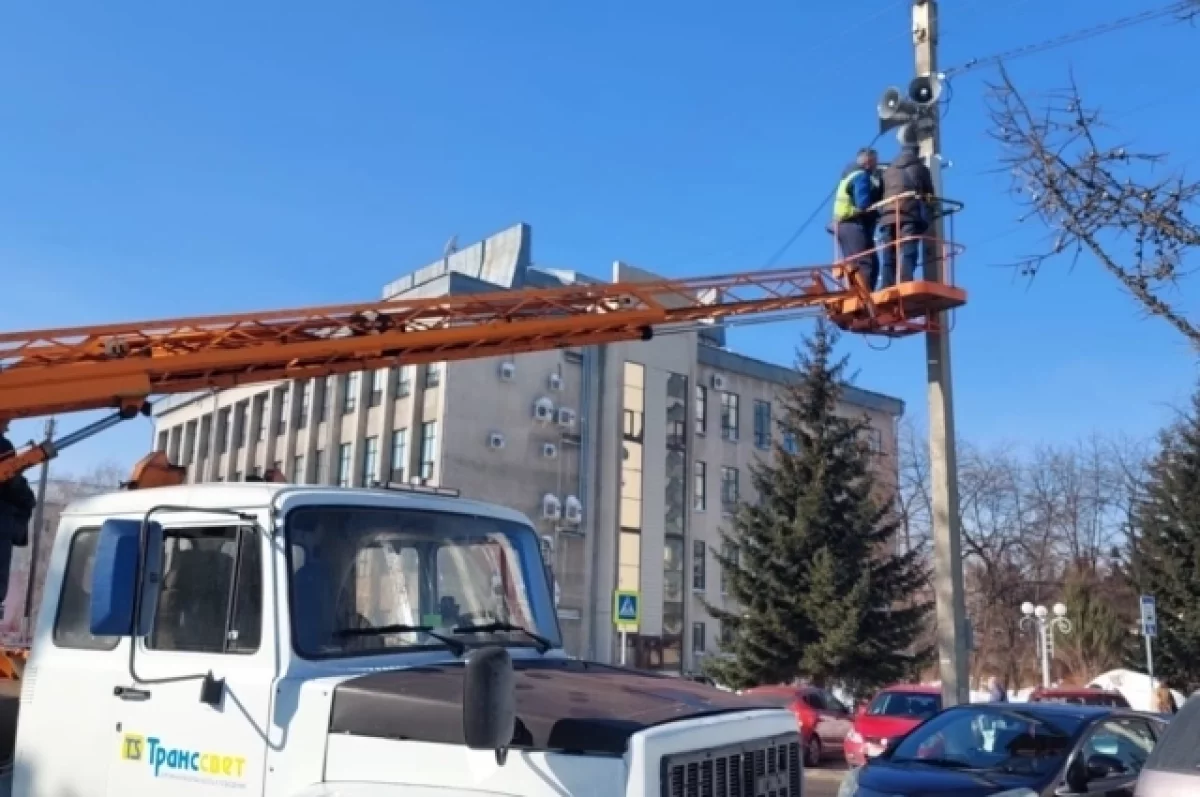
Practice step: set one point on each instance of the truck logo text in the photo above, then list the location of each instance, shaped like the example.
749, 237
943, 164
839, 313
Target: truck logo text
181, 762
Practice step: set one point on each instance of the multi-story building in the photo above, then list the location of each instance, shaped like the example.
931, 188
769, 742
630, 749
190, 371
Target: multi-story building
627, 456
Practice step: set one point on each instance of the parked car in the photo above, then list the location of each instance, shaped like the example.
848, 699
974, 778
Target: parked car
892, 713
1014, 750
1079, 695
823, 720
1173, 769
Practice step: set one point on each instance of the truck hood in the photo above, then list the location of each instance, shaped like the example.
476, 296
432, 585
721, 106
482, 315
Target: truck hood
563, 705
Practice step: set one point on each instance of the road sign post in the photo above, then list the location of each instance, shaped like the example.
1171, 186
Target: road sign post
627, 615
1149, 631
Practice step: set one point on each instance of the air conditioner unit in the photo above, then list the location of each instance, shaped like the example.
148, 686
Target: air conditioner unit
508, 370
718, 381
551, 507
574, 511
543, 410
566, 417
549, 450
496, 440
556, 381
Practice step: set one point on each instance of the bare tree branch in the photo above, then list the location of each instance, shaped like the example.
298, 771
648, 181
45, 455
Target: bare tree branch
1107, 201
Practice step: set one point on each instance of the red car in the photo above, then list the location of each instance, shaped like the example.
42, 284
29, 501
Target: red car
823, 720
894, 712
1079, 695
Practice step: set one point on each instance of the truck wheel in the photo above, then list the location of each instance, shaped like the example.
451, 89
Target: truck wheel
812, 752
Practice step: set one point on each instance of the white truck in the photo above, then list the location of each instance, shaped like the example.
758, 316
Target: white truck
271, 639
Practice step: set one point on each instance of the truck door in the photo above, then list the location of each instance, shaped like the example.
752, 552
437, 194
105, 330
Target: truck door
209, 618
67, 712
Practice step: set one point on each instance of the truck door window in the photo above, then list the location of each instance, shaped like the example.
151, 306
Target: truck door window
72, 624
211, 595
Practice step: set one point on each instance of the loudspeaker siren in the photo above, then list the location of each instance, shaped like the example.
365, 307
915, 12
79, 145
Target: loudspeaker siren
925, 90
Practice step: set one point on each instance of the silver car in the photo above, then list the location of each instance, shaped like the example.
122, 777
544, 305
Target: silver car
1173, 768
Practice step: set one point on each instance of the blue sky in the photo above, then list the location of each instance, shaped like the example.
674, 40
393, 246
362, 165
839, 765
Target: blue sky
177, 158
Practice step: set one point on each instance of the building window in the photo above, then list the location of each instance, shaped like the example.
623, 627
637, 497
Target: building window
298, 469
162, 441
284, 406
327, 396
701, 409
319, 466
732, 556
729, 489
399, 454
343, 466
789, 443
305, 404
428, 448
725, 639
260, 418
873, 439
223, 431
403, 381
629, 555
729, 416
762, 424
699, 486
673, 572
350, 400
697, 637
629, 562
378, 380
205, 435
433, 375
699, 554
370, 470
189, 443
239, 426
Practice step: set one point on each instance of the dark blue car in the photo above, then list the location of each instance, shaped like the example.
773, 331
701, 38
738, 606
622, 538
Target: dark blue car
1014, 750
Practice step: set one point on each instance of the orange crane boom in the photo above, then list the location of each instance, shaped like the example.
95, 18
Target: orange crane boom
120, 365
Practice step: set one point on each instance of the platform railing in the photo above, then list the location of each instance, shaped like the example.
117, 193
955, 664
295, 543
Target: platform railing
898, 305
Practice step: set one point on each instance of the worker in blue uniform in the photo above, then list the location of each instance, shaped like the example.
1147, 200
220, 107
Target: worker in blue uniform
854, 217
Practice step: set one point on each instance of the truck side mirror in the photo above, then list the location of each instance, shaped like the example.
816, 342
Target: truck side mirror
115, 583
489, 701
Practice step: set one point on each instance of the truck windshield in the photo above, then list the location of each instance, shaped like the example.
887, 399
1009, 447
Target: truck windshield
364, 567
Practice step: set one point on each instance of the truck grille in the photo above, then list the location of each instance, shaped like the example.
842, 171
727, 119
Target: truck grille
761, 768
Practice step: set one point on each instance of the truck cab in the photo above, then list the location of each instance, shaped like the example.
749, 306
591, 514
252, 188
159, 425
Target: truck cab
280, 640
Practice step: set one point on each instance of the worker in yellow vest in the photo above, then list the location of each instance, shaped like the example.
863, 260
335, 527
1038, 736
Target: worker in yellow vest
854, 218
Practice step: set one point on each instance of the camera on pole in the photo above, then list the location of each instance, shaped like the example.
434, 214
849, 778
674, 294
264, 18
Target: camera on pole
911, 113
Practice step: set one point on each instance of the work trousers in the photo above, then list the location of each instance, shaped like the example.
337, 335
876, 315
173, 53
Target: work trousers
911, 251
856, 239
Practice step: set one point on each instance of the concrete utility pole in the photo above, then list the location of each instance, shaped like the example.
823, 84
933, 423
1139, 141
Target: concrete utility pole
943, 457
35, 533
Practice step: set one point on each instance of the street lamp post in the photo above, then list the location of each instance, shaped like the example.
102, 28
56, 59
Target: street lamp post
1038, 617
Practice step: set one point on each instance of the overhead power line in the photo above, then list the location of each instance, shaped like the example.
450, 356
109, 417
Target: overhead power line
1180, 7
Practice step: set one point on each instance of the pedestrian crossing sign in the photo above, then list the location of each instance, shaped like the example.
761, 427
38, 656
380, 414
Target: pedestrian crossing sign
627, 609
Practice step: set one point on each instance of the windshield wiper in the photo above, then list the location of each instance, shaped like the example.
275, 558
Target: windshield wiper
456, 646
540, 642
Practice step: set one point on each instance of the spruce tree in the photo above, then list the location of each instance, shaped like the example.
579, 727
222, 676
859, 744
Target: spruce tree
809, 562
1165, 552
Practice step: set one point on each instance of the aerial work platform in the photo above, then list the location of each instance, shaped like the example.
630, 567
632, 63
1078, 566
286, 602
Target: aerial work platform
901, 308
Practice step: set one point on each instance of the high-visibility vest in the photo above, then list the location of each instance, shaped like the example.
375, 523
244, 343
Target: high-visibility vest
843, 203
